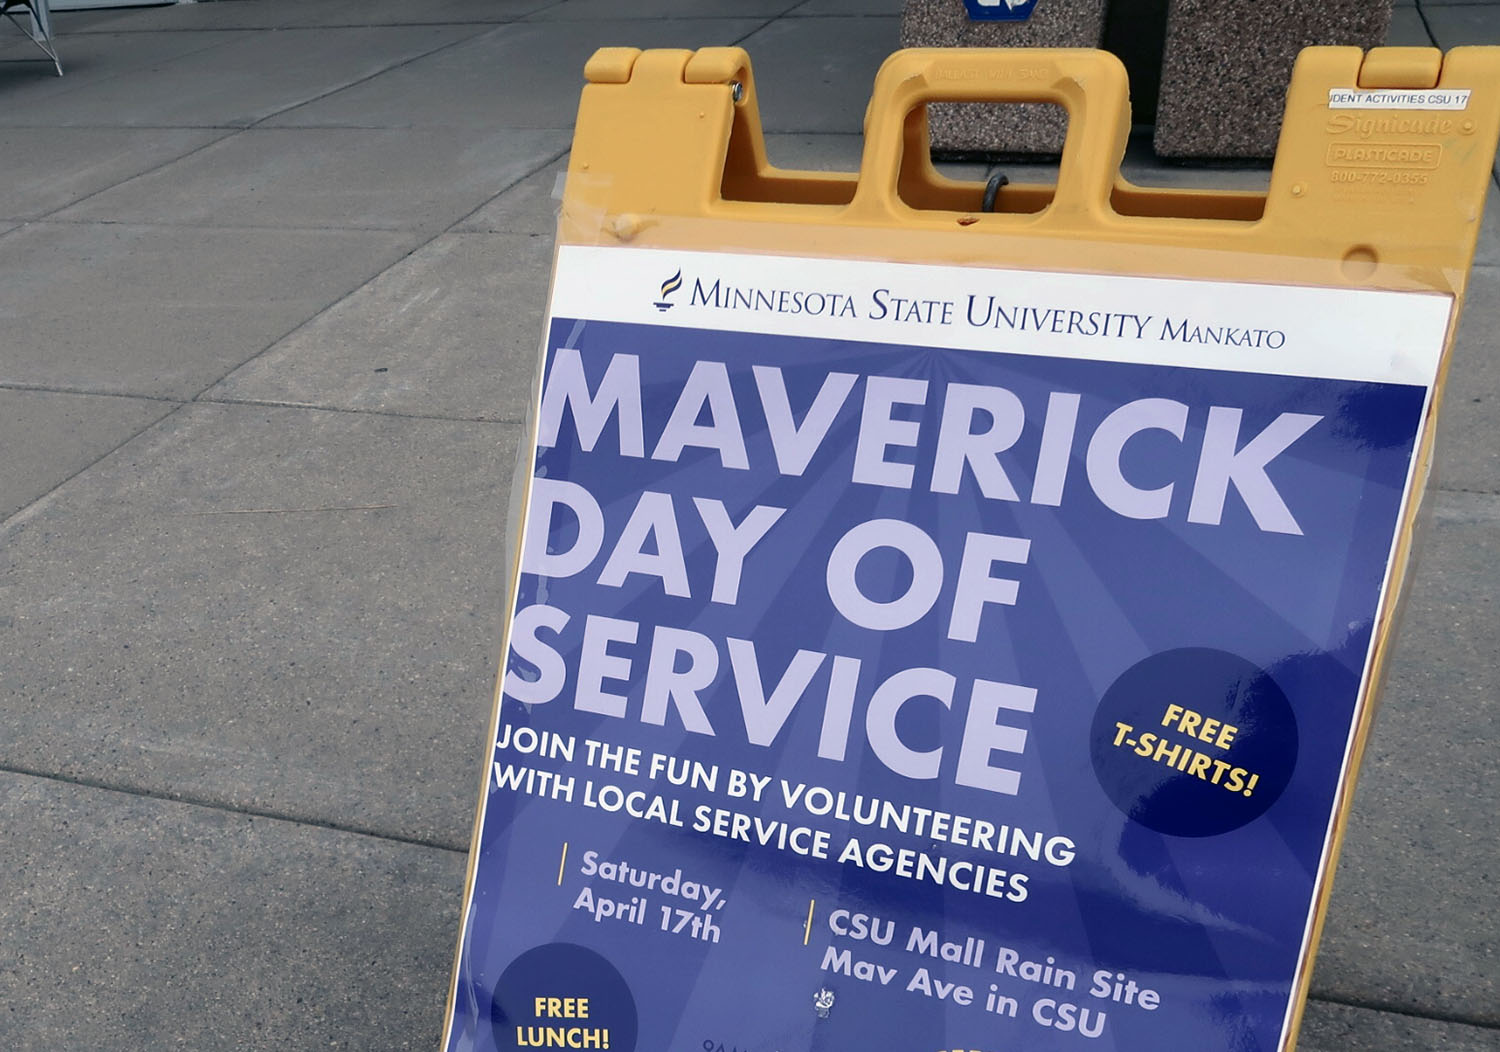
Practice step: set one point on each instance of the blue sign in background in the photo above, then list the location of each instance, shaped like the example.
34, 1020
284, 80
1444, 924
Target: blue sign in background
999, 10
1155, 879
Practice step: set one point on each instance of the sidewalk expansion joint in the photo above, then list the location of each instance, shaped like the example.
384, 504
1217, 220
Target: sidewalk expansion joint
1472, 490
1426, 25
413, 250
391, 413
481, 30
543, 166
225, 808
230, 133
25, 511
1407, 1011
92, 392
157, 224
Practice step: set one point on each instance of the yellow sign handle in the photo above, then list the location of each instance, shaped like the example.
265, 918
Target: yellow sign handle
1379, 180
1091, 85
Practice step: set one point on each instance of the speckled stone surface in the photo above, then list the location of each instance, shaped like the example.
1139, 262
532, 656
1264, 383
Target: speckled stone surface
1227, 63
977, 128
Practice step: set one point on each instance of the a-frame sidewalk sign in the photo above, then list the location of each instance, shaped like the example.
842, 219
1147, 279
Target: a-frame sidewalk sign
947, 617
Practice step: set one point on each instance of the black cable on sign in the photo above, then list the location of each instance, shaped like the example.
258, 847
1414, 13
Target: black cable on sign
992, 190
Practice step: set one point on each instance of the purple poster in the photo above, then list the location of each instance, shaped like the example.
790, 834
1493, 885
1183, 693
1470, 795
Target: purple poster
932, 658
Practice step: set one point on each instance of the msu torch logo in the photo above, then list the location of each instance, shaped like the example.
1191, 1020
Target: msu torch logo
668, 287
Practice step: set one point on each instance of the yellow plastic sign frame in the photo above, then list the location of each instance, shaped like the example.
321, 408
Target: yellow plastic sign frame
1378, 184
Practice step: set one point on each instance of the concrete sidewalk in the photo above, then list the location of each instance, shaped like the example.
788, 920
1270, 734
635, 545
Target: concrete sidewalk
271, 282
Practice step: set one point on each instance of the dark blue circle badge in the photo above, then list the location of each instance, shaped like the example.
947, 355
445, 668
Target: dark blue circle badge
1194, 742
562, 995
